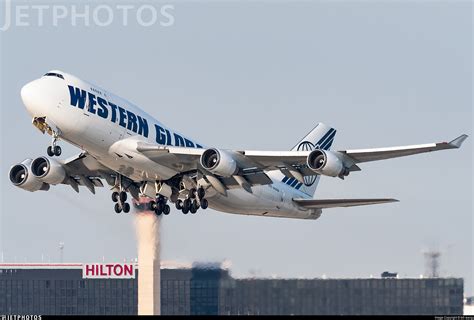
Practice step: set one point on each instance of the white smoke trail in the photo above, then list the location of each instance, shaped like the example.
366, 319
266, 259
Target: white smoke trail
147, 226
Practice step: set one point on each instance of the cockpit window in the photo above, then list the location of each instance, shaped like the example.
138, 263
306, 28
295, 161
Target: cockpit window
52, 74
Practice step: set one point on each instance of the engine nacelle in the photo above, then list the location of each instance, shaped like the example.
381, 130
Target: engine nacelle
48, 170
21, 176
327, 163
219, 162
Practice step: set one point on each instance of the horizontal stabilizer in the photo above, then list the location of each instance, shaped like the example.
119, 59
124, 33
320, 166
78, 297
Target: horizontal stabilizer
339, 203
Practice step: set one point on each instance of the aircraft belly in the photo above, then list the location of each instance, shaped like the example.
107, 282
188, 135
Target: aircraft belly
136, 169
129, 161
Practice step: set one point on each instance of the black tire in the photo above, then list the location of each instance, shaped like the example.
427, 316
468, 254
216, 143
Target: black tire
57, 151
193, 193
167, 210
193, 209
160, 206
123, 196
179, 204
118, 208
204, 204
185, 210
49, 151
158, 212
151, 206
187, 204
115, 196
126, 207
201, 193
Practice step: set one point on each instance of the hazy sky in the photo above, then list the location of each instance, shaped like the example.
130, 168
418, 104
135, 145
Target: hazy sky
260, 75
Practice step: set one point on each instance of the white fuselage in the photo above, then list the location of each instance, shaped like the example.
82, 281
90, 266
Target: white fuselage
104, 124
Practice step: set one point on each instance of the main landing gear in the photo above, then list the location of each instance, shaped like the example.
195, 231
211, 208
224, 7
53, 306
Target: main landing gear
120, 198
53, 149
160, 206
193, 202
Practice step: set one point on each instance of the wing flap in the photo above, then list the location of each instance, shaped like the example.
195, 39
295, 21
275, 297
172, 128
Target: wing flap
84, 170
339, 203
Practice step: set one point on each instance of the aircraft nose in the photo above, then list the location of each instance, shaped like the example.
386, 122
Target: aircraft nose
26, 92
33, 98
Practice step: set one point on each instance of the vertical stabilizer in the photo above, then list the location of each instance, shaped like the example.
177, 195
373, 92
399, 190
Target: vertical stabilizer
321, 137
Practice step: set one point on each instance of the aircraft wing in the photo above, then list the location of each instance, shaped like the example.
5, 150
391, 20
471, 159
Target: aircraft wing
271, 159
292, 164
187, 160
84, 170
366, 155
339, 203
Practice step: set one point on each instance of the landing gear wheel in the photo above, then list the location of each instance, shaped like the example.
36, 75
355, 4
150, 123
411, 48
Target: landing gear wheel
123, 196
193, 193
179, 204
204, 204
187, 204
160, 206
185, 210
118, 208
151, 206
115, 196
158, 212
126, 207
50, 151
201, 193
57, 151
167, 210
193, 209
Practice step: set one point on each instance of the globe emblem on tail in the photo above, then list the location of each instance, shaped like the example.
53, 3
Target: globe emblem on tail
308, 146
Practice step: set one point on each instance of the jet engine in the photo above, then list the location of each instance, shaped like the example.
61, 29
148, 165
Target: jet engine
21, 176
48, 170
219, 162
327, 163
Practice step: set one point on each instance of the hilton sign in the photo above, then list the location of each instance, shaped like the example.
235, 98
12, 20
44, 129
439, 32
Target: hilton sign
108, 271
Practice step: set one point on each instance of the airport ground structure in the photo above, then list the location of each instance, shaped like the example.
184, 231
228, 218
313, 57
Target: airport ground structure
63, 289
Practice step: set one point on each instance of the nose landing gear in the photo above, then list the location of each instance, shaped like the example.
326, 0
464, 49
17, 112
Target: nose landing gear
53, 149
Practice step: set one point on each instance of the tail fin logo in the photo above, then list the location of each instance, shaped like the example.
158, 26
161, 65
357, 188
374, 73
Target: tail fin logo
308, 146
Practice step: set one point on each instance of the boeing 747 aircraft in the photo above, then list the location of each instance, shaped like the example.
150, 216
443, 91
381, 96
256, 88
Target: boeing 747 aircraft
136, 154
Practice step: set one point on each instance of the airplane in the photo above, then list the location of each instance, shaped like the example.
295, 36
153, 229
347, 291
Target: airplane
138, 155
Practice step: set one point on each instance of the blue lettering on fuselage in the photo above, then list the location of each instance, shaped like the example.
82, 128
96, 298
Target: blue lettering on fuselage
163, 136
78, 97
99, 106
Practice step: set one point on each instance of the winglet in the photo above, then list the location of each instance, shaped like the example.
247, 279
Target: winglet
457, 143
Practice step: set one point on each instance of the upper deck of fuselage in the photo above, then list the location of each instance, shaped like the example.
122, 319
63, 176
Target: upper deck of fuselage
95, 89
162, 134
